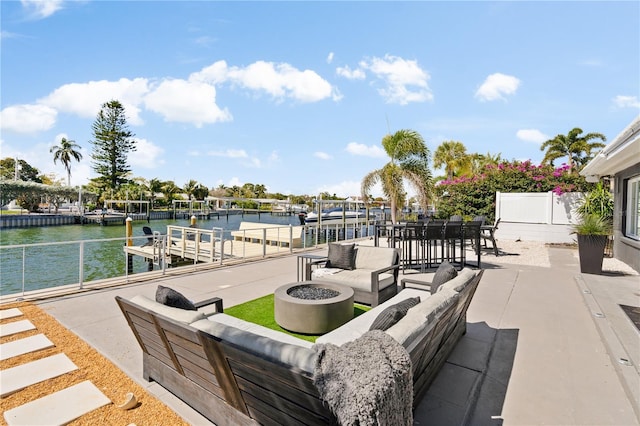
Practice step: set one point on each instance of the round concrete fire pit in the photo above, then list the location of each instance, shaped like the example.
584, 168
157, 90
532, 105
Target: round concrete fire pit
313, 307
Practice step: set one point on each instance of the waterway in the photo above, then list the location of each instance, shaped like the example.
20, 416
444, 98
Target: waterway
43, 266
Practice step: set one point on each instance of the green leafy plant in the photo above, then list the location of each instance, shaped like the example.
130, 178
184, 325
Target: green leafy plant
599, 202
592, 224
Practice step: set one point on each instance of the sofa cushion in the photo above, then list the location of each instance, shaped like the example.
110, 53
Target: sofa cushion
421, 317
341, 256
271, 344
177, 314
374, 258
361, 324
170, 297
461, 281
359, 279
445, 272
393, 314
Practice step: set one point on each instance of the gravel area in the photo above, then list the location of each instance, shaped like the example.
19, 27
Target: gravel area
536, 253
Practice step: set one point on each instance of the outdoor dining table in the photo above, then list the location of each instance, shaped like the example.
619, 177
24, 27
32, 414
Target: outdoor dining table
427, 244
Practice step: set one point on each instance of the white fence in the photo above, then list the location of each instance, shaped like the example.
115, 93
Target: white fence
542, 216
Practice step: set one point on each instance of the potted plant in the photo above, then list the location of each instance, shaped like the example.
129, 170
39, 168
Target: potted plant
593, 232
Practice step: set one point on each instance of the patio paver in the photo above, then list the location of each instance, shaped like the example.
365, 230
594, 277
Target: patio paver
58, 408
23, 346
19, 377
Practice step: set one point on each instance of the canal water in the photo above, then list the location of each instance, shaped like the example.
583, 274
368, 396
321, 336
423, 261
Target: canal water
51, 265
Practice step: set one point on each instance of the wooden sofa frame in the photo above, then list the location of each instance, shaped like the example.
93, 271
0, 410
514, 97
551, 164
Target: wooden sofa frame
229, 384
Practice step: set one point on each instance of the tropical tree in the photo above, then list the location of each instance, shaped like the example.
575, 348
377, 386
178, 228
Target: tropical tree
155, 186
578, 149
65, 152
190, 188
477, 162
112, 144
453, 156
260, 190
169, 189
25, 171
409, 161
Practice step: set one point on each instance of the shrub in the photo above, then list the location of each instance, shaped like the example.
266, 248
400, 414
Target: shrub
471, 196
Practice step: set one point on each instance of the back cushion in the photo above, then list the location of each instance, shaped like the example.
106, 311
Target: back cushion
177, 314
298, 355
461, 281
374, 258
421, 316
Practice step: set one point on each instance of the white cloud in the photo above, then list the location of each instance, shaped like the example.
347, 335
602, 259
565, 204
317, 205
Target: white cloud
322, 155
497, 86
532, 135
229, 153
348, 73
186, 102
28, 118
364, 150
330, 57
277, 80
86, 99
621, 101
405, 80
42, 8
147, 155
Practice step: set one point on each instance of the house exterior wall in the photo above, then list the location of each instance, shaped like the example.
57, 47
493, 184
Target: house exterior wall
624, 248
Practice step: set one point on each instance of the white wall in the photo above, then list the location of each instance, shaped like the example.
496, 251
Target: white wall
542, 216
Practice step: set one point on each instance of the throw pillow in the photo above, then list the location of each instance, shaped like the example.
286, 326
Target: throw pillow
445, 272
170, 297
394, 313
341, 256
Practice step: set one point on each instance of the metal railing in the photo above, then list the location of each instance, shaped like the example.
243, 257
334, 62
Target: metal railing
43, 267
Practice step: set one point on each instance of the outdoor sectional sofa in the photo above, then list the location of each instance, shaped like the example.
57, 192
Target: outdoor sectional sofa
235, 372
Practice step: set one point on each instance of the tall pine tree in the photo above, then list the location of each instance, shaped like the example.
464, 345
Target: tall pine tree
112, 144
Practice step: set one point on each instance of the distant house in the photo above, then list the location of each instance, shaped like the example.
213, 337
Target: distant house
619, 161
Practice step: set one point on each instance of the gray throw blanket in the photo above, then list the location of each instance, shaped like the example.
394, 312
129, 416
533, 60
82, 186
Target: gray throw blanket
367, 381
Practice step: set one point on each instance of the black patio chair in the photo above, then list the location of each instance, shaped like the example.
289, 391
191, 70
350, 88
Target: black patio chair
149, 233
489, 233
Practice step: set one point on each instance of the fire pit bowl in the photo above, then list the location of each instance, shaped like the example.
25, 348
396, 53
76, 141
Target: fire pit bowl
313, 307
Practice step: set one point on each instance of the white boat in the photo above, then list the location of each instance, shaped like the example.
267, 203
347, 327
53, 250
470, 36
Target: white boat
336, 215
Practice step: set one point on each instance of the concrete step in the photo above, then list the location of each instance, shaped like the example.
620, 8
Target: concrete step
59, 408
19, 377
23, 346
16, 327
10, 313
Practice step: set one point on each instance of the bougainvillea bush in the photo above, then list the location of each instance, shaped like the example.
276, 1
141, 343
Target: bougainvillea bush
476, 195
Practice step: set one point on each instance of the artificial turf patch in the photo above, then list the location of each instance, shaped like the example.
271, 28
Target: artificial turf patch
260, 311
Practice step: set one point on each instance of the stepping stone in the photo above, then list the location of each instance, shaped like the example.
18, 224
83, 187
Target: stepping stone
23, 346
10, 313
59, 408
16, 327
19, 377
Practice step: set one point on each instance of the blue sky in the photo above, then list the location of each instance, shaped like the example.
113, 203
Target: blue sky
298, 95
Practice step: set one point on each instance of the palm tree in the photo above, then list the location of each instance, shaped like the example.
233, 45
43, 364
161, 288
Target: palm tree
478, 162
577, 149
65, 152
453, 156
190, 188
155, 186
409, 160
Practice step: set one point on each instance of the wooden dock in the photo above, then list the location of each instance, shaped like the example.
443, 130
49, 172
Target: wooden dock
182, 244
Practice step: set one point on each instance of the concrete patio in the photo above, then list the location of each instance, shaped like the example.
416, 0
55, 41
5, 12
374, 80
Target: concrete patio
544, 345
